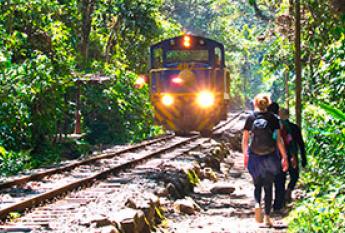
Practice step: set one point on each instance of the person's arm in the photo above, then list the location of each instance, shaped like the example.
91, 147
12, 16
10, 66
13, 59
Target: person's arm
245, 143
281, 147
299, 139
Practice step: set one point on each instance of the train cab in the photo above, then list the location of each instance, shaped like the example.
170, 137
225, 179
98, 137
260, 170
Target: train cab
189, 84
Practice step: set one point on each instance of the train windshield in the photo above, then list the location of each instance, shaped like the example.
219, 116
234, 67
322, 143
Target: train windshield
178, 56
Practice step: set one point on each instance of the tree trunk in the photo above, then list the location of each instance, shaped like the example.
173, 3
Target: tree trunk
77, 129
87, 10
298, 65
112, 38
286, 75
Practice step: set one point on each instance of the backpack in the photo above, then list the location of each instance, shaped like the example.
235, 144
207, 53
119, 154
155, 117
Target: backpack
289, 142
262, 142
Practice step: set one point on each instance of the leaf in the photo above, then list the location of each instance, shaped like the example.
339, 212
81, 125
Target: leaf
252, 2
334, 112
2, 150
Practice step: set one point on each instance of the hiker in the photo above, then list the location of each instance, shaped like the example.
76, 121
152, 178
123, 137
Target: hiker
280, 178
293, 140
260, 155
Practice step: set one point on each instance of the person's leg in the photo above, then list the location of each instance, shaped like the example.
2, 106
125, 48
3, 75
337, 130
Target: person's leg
257, 196
268, 196
257, 189
279, 186
294, 175
268, 186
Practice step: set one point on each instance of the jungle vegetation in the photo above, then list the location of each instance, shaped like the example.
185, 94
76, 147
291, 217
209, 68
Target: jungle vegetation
46, 46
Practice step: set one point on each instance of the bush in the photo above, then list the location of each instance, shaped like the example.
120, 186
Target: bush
116, 112
12, 162
323, 210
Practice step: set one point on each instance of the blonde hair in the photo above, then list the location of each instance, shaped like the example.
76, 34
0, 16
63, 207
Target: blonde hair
261, 101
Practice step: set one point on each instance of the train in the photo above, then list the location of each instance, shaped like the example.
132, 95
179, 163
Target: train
189, 84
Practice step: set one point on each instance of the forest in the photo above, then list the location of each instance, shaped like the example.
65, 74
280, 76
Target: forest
49, 49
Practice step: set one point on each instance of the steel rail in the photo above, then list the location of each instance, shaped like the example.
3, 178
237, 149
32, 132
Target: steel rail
40, 175
49, 195
221, 125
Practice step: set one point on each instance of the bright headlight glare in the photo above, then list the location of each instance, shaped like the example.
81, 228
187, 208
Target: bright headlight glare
205, 99
167, 100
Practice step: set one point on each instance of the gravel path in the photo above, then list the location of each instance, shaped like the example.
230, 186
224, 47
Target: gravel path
222, 213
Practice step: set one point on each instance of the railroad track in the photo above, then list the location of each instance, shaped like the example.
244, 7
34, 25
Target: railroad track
29, 191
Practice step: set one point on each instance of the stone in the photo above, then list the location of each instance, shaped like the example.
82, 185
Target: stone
129, 226
208, 173
150, 213
235, 174
99, 221
222, 188
109, 229
130, 203
186, 206
197, 169
131, 221
173, 192
141, 223
162, 192
224, 168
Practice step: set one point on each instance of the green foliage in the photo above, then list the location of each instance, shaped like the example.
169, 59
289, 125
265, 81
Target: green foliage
115, 112
323, 210
14, 215
12, 162
43, 45
336, 113
193, 177
319, 214
323, 54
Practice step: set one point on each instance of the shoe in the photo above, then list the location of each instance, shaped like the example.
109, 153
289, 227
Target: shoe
258, 213
268, 221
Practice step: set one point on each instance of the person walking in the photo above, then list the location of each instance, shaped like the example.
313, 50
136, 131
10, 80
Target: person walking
280, 178
293, 141
259, 155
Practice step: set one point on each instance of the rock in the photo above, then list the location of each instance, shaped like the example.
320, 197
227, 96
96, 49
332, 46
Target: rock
173, 191
229, 161
131, 221
149, 212
125, 218
235, 174
130, 203
187, 206
129, 226
224, 168
109, 229
208, 173
141, 223
162, 192
222, 188
197, 169
99, 221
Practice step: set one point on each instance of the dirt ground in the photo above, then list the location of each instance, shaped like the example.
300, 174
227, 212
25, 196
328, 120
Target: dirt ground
223, 213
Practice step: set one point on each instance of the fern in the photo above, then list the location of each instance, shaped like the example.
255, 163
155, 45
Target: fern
334, 112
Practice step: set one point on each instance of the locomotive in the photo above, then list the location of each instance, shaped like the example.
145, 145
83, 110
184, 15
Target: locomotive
189, 84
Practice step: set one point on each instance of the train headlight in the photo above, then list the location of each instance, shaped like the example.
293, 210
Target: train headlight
205, 99
167, 100
186, 41
177, 80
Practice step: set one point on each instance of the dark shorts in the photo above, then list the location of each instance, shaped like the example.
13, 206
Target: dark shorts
264, 166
